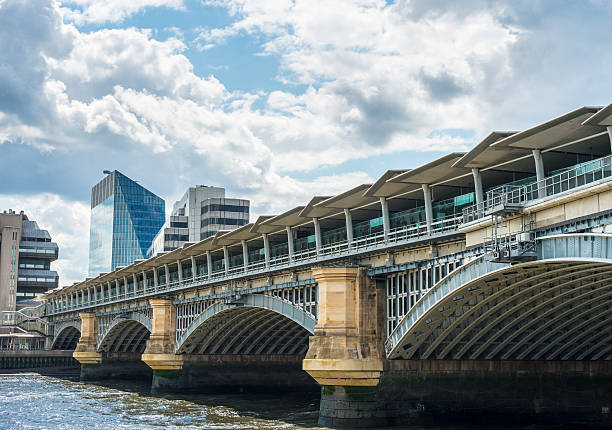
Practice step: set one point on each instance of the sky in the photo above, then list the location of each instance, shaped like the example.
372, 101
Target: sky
275, 100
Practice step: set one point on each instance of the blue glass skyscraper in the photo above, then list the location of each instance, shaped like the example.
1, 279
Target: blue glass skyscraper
125, 217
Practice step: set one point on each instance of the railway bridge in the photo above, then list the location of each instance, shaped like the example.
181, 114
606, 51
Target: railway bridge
479, 281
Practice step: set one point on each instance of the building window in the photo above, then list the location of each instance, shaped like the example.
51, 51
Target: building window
224, 208
223, 221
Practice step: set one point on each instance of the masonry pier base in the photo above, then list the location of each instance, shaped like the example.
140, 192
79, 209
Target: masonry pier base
234, 374
116, 366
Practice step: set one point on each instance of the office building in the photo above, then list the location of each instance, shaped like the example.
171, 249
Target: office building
200, 213
125, 217
26, 253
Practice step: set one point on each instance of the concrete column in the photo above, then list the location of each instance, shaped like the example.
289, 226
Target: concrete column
226, 259
167, 272
428, 206
193, 267
349, 227
159, 352
266, 242
345, 355
88, 295
135, 280
539, 164
478, 191
179, 267
144, 280
290, 243
85, 352
610, 134
155, 278
117, 288
245, 255
384, 206
125, 285
209, 263
318, 238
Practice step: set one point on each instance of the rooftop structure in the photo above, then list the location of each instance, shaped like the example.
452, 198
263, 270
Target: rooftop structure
200, 213
26, 253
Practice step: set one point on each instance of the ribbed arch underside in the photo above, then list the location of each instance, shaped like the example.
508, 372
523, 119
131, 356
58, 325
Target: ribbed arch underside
67, 338
545, 310
125, 336
247, 330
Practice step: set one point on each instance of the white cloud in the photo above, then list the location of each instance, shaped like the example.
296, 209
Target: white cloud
102, 11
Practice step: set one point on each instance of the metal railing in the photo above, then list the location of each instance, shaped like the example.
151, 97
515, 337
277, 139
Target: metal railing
575, 177
27, 319
339, 249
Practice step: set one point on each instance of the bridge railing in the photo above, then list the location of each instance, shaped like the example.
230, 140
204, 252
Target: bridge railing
29, 322
575, 177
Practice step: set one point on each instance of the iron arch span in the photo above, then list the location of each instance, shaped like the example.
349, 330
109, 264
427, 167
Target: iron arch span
257, 324
67, 335
550, 309
126, 333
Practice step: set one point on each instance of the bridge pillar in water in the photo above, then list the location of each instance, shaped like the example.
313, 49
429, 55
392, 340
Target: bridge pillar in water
345, 355
85, 352
159, 354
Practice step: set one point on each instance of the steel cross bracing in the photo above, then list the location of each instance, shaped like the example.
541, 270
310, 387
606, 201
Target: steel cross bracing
396, 238
494, 310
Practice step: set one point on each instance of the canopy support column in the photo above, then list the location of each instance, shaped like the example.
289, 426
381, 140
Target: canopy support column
349, 227
317, 228
428, 206
384, 205
290, 243
266, 242
226, 259
245, 255
478, 192
208, 264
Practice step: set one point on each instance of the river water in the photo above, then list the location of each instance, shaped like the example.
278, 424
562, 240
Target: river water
39, 402
31, 401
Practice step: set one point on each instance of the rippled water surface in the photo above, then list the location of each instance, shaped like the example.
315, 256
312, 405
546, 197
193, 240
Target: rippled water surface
39, 402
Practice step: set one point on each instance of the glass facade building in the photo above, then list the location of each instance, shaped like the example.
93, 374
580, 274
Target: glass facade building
125, 217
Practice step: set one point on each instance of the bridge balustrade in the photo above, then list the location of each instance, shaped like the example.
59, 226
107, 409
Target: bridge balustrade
572, 178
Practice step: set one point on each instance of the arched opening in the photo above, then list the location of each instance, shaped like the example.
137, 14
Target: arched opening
67, 339
125, 336
247, 330
543, 310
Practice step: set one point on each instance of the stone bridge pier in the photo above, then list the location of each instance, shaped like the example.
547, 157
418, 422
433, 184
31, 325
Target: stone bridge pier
346, 354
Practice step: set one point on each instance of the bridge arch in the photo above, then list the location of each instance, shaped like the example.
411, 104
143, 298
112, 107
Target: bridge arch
551, 309
254, 324
66, 335
125, 333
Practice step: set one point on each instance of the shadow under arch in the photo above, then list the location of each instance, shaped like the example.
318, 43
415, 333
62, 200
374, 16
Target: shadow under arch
257, 324
549, 309
67, 336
